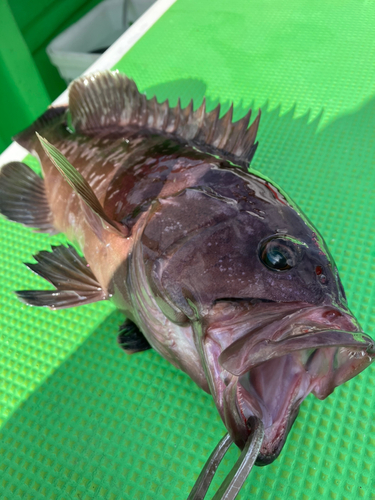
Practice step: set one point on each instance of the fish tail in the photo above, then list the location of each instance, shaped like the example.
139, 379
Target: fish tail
23, 198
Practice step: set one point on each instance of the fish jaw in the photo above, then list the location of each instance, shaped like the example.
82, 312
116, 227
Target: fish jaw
263, 359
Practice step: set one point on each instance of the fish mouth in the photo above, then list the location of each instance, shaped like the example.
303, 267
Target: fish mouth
272, 356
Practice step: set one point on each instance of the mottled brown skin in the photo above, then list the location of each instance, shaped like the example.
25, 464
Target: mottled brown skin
189, 273
126, 174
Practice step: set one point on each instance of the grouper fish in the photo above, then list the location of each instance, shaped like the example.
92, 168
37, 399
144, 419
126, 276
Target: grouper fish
212, 264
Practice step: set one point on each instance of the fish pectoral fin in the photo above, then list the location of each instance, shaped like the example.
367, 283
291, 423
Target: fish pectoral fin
74, 282
131, 339
81, 187
23, 197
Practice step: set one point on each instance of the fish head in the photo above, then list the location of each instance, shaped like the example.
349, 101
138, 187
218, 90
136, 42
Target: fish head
254, 277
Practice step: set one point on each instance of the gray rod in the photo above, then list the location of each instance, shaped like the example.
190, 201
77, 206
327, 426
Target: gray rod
232, 484
205, 477
242, 468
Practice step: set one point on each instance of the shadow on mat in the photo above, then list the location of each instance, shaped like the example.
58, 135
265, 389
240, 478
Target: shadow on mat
108, 425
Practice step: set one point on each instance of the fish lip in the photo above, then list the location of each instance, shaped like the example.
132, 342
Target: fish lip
264, 459
266, 350
254, 348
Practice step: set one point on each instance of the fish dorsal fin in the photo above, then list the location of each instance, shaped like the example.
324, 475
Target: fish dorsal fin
111, 101
80, 186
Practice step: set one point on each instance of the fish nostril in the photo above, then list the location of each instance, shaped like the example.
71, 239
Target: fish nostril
332, 314
318, 270
321, 277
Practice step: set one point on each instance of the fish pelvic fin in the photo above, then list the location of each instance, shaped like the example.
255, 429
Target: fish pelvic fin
27, 137
110, 101
82, 189
74, 282
131, 339
23, 197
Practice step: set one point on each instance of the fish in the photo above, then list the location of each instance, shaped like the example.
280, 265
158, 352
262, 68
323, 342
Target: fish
212, 264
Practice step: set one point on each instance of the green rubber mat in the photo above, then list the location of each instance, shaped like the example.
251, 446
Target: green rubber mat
81, 419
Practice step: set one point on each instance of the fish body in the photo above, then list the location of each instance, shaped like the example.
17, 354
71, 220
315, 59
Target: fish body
216, 268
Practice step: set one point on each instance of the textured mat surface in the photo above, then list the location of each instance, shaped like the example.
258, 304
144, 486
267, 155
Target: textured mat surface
81, 419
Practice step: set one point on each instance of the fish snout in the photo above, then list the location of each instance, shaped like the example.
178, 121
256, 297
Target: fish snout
314, 349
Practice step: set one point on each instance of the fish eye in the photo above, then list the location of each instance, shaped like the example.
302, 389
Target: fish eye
280, 254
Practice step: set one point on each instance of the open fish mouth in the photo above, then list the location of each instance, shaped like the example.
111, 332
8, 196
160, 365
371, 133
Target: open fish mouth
273, 356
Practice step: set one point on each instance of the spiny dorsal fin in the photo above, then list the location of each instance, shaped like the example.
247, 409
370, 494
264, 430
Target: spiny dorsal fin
71, 276
80, 186
111, 101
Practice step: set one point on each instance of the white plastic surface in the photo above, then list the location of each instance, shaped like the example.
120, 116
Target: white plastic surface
15, 152
71, 51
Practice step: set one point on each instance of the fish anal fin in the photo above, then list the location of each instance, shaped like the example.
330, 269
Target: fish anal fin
74, 282
109, 101
131, 339
23, 198
81, 187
